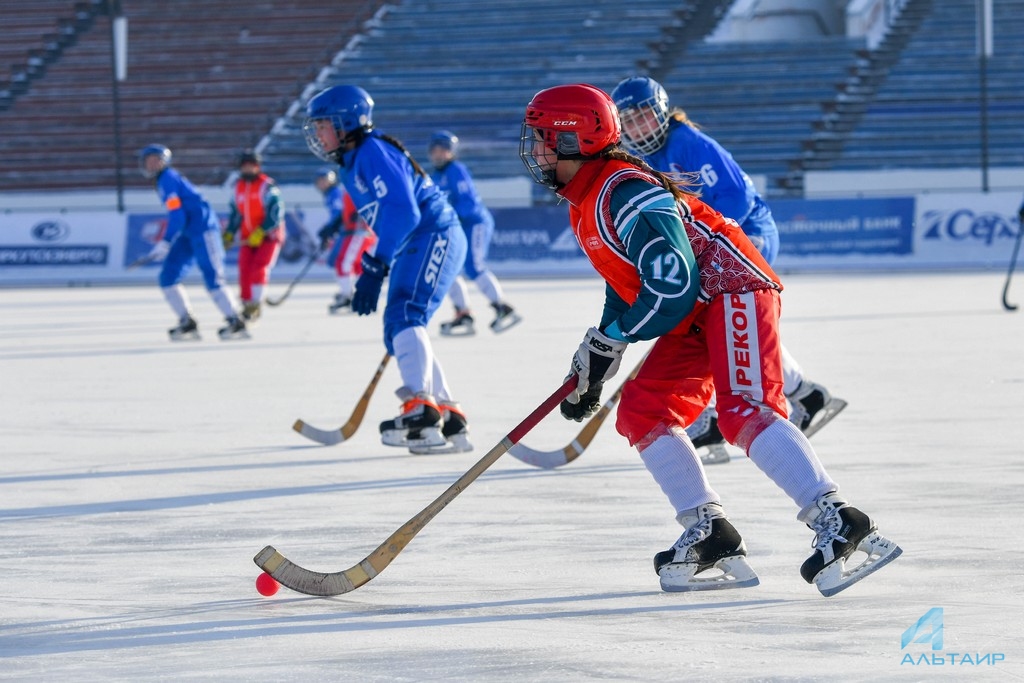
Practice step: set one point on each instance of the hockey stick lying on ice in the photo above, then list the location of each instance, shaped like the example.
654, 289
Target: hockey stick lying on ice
309, 582
549, 460
345, 432
1013, 265
302, 274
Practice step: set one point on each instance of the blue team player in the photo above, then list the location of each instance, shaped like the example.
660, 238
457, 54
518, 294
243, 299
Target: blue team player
670, 142
192, 236
420, 244
455, 181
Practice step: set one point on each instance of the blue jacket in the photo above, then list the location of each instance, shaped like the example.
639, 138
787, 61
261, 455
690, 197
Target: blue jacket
455, 181
187, 211
725, 187
393, 199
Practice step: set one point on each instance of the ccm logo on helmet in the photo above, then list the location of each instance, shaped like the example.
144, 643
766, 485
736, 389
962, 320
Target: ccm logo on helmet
563, 123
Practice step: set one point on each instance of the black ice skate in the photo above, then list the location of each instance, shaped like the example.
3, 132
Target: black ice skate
419, 425
505, 317
710, 555
840, 531
455, 432
461, 326
340, 303
813, 407
235, 329
187, 330
251, 311
704, 433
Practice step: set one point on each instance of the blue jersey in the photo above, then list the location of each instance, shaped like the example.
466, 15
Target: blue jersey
455, 181
725, 187
334, 202
394, 201
187, 211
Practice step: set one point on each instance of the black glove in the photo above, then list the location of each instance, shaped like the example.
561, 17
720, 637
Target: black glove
328, 232
364, 301
588, 402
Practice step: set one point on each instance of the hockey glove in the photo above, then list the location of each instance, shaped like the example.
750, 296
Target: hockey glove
327, 233
596, 361
228, 238
364, 301
159, 251
585, 406
256, 237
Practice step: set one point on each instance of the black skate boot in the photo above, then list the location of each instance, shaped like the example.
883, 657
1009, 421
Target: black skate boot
340, 303
461, 326
813, 407
710, 542
840, 530
455, 431
187, 329
418, 426
704, 433
506, 317
235, 329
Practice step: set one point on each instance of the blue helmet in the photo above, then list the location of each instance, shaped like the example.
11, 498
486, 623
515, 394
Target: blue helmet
154, 150
326, 173
643, 113
445, 139
349, 108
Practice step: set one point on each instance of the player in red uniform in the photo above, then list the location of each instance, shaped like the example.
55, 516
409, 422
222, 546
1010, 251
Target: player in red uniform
257, 220
680, 272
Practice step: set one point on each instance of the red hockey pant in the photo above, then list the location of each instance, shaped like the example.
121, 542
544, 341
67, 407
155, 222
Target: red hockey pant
254, 264
733, 347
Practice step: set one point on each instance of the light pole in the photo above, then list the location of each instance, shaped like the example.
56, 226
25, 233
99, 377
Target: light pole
118, 72
984, 52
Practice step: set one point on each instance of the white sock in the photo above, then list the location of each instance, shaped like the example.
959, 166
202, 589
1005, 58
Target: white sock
257, 293
415, 359
346, 286
792, 373
675, 465
441, 390
178, 299
225, 302
783, 453
488, 284
459, 293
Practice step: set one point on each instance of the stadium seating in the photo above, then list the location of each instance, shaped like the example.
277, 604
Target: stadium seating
205, 78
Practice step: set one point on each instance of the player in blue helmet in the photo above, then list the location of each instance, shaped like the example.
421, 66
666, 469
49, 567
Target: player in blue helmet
455, 181
345, 233
670, 142
420, 247
192, 236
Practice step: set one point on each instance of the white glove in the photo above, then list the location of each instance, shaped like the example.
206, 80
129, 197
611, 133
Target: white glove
160, 250
596, 361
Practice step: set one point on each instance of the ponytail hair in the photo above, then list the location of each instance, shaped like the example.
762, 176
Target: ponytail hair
680, 185
394, 142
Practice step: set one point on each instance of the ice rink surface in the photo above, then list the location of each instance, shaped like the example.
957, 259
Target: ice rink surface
141, 476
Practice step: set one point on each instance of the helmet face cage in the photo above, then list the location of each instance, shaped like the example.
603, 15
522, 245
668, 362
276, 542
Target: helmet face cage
154, 150
542, 171
327, 175
644, 113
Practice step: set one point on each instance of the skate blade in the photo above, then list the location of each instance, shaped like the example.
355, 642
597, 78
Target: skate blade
460, 331
234, 335
715, 455
429, 437
506, 323
836, 577
189, 336
732, 572
456, 444
825, 415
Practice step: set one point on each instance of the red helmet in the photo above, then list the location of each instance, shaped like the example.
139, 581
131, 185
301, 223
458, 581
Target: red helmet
584, 110
576, 121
